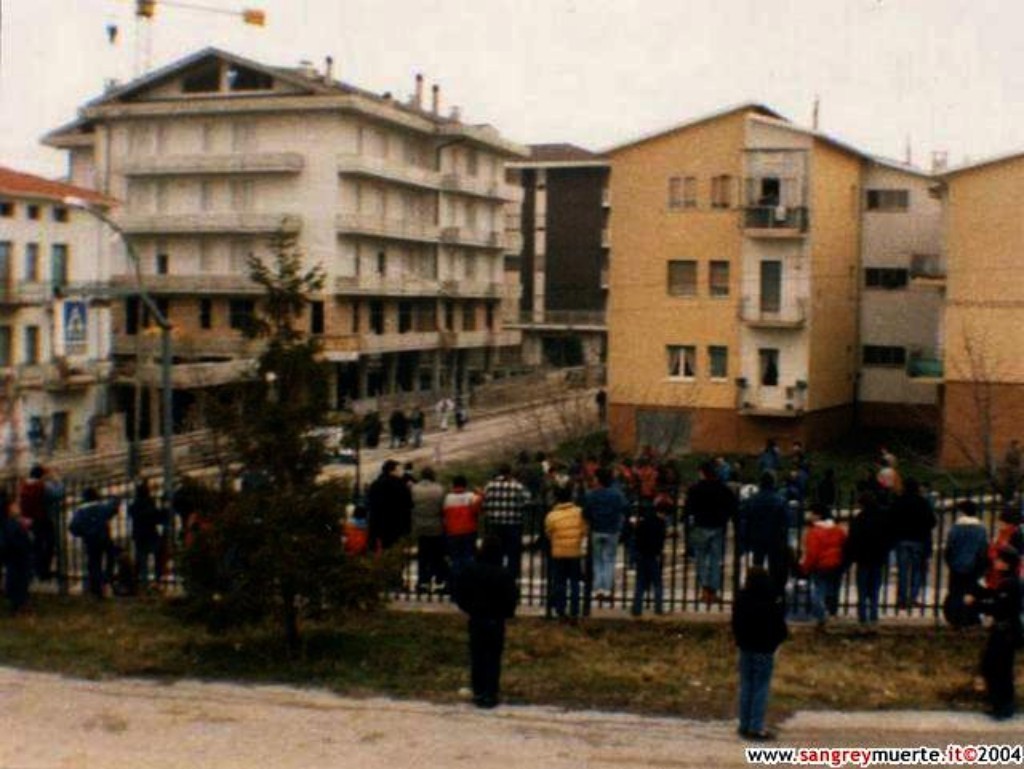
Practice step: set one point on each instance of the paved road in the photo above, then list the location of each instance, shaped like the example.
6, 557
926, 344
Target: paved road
49, 722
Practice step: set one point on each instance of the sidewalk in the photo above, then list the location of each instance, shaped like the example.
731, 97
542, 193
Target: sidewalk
50, 722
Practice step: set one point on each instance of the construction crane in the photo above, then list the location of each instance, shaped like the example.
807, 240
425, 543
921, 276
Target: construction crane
145, 11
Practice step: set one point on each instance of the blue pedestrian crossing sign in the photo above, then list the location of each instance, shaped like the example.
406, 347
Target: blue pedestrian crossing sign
75, 328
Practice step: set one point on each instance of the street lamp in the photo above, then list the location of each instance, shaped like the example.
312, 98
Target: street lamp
165, 337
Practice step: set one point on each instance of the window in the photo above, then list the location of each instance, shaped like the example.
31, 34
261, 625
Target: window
682, 277
241, 314
131, 316
718, 362
449, 315
376, 317
205, 313
31, 344
490, 316
316, 317
6, 261
5, 346
718, 279
164, 306
682, 361
162, 261
356, 312
879, 355
245, 79
721, 191
404, 317
241, 195
60, 214
34, 212
682, 192
888, 200
890, 278
204, 80
6, 209
469, 317
32, 262
382, 263
58, 265
768, 364
472, 162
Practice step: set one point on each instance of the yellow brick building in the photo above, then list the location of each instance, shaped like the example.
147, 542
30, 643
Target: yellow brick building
734, 285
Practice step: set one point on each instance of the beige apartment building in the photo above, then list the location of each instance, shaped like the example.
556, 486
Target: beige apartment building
903, 276
983, 408
734, 290
402, 206
54, 321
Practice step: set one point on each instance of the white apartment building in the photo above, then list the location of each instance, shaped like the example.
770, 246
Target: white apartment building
902, 296
54, 320
402, 206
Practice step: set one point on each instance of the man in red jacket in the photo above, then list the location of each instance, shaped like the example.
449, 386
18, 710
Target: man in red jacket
824, 544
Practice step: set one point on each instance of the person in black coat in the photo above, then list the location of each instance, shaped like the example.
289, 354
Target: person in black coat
764, 527
390, 503
912, 522
17, 553
759, 627
1003, 604
486, 591
868, 547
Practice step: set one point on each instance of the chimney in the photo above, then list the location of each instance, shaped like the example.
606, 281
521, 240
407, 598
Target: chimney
435, 98
814, 115
418, 99
940, 161
456, 115
329, 70
307, 69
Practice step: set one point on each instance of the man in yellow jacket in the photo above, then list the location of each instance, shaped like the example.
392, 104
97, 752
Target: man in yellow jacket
566, 531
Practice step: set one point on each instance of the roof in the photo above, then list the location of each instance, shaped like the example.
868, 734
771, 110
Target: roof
899, 165
553, 153
748, 107
22, 185
994, 160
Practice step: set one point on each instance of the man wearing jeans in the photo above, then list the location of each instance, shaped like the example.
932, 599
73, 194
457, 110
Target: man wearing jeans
912, 521
709, 506
505, 501
604, 509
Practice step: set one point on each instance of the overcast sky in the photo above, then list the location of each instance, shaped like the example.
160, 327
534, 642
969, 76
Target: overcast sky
946, 73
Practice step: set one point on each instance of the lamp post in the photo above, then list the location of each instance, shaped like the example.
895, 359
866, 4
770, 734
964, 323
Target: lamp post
165, 337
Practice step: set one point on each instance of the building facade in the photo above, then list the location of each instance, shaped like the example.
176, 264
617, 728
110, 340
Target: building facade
402, 207
734, 289
54, 320
902, 294
561, 266
983, 405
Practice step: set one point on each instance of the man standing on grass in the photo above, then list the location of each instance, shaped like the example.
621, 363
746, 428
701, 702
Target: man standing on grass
487, 593
605, 509
505, 502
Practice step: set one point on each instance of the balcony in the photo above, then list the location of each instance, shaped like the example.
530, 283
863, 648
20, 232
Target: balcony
185, 376
391, 229
188, 284
471, 289
606, 197
65, 376
369, 285
925, 366
464, 236
248, 163
513, 242
556, 320
775, 221
778, 402
606, 238
213, 223
379, 343
790, 315
380, 168
207, 344
23, 293
928, 270
481, 188
340, 348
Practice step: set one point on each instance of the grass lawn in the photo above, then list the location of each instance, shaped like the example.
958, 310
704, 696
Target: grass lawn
665, 667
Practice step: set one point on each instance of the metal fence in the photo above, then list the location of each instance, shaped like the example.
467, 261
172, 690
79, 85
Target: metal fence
681, 590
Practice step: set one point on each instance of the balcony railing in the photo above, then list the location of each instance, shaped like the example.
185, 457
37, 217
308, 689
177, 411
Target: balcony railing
481, 188
188, 284
12, 293
230, 222
394, 229
788, 315
241, 163
415, 340
586, 319
775, 221
465, 236
927, 266
785, 401
380, 168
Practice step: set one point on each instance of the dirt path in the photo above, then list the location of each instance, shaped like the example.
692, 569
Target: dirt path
49, 722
